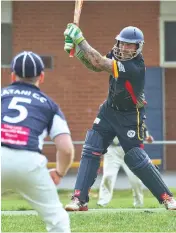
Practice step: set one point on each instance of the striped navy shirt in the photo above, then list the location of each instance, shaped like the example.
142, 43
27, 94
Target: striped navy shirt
28, 116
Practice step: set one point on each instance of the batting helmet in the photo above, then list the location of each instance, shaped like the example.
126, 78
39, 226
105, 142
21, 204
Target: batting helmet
128, 35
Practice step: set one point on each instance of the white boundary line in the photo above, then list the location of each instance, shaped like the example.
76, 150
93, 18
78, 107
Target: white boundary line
90, 211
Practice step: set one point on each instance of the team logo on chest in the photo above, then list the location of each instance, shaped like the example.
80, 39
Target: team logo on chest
131, 133
121, 66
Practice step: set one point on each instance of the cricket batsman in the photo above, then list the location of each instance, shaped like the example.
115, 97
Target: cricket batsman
121, 115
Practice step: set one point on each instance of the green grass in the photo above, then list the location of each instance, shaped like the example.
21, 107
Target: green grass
99, 222
22, 224
121, 199
102, 221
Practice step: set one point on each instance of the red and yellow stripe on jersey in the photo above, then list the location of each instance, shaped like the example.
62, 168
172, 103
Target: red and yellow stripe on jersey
115, 69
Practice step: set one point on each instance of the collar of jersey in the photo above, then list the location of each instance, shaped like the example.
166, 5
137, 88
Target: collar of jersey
25, 84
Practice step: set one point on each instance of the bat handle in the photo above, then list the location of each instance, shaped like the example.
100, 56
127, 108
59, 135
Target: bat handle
72, 52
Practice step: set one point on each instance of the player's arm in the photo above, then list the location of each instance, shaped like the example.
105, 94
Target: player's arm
64, 154
85, 60
60, 134
88, 55
96, 61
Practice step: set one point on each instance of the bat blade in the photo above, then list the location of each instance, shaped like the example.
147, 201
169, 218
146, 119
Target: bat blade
77, 14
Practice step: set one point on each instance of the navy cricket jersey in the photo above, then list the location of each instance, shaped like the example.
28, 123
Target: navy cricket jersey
126, 86
28, 116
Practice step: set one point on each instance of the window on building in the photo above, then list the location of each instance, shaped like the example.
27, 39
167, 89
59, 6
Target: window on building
168, 42
6, 33
6, 44
48, 61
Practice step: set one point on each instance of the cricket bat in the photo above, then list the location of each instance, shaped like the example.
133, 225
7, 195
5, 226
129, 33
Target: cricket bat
77, 14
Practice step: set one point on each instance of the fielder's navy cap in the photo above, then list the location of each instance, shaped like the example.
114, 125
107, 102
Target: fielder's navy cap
27, 64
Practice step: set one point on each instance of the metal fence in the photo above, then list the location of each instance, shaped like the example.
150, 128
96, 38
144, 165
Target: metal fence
82, 142
75, 164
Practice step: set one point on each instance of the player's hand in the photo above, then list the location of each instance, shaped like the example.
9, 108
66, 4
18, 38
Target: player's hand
149, 139
68, 44
55, 176
74, 32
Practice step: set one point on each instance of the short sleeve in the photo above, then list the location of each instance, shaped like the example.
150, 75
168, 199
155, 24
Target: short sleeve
59, 124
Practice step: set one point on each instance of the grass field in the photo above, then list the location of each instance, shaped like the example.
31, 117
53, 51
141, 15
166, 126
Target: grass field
99, 221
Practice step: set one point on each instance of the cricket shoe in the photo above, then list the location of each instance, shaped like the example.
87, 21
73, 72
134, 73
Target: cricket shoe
169, 202
102, 204
76, 205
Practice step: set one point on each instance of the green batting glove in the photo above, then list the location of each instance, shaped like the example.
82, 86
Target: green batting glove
68, 44
74, 33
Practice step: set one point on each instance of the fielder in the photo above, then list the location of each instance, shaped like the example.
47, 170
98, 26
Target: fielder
113, 160
28, 116
121, 115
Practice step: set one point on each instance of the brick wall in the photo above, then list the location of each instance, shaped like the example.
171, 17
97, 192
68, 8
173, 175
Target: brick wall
39, 26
